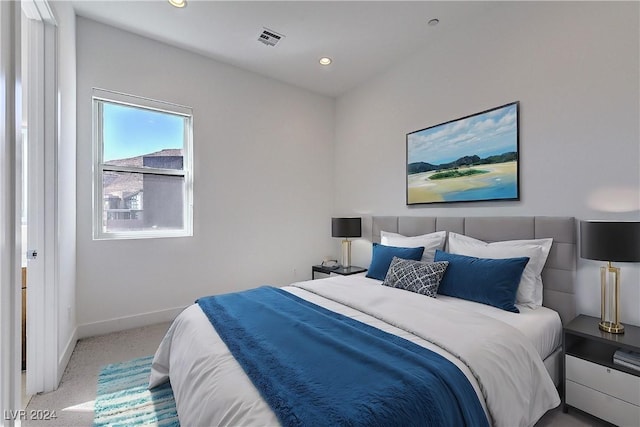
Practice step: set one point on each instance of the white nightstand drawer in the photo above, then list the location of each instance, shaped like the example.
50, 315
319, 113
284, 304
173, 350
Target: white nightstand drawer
606, 380
601, 405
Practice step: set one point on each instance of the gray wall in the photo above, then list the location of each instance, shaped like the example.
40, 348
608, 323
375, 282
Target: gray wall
263, 161
265, 179
574, 67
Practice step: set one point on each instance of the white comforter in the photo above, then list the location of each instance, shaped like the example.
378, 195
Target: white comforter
506, 371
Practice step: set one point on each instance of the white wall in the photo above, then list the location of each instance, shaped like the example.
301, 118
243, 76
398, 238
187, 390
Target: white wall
574, 67
262, 194
66, 185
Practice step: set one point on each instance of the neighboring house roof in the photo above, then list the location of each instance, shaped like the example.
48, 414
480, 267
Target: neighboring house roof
123, 185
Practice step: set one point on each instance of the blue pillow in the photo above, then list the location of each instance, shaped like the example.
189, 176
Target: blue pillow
487, 281
382, 256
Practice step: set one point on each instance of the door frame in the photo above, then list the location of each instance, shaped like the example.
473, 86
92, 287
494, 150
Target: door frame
10, 204
42, 324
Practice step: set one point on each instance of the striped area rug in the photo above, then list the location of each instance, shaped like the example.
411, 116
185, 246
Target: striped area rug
124, 400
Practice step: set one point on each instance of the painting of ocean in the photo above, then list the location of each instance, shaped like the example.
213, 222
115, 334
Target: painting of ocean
474, 158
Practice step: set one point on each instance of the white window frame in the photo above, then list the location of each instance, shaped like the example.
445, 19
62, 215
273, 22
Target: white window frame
99, 97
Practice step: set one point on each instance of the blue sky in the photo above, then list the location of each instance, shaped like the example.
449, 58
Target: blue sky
484, 135
130, 131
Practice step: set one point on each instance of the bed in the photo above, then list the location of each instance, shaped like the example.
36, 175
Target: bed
510, 360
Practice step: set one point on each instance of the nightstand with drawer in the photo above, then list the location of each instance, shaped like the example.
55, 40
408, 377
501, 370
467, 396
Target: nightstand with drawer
593, 383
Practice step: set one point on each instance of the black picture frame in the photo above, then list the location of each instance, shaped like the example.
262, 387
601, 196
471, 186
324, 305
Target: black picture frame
471, 159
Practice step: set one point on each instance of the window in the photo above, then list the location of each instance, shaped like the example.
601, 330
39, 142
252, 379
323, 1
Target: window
142, 167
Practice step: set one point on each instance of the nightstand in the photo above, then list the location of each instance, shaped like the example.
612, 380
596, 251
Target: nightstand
343, 271
592, 382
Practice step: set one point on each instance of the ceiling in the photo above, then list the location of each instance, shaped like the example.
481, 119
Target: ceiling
363, 38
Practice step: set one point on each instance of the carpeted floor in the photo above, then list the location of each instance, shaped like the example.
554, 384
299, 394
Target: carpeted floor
74, 399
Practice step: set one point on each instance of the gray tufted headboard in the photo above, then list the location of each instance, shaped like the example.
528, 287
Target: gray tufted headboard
559, 272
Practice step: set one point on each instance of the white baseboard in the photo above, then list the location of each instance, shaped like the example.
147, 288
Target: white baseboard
128, 322
63, 361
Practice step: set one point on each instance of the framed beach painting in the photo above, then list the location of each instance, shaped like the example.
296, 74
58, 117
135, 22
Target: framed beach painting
474, 158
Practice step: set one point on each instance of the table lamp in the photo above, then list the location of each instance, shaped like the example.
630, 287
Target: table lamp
346, 227
610, 241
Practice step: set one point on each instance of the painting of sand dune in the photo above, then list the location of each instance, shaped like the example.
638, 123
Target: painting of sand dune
474, 158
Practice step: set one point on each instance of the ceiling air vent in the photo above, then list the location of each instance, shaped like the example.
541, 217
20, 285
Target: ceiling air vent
269, 37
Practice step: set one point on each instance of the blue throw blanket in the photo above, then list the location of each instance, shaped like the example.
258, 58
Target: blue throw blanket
315, 367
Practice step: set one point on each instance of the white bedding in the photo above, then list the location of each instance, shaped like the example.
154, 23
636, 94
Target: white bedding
542, 326
500, 362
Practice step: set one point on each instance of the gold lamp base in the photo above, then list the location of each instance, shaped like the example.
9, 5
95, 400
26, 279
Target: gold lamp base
614, 328
610, 300
346, 253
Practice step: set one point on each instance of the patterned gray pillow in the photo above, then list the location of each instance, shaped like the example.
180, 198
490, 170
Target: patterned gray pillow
415, 276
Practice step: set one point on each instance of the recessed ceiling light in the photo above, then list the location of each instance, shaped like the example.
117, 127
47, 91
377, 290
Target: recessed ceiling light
433, 22
178, 3
325, 60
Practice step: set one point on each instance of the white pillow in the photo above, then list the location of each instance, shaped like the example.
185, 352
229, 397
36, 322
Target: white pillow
431, 242
530, 288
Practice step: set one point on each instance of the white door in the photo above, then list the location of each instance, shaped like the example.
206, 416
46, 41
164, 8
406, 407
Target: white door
40, 122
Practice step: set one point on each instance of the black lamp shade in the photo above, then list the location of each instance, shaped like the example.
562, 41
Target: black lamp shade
346, 227
610, 241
